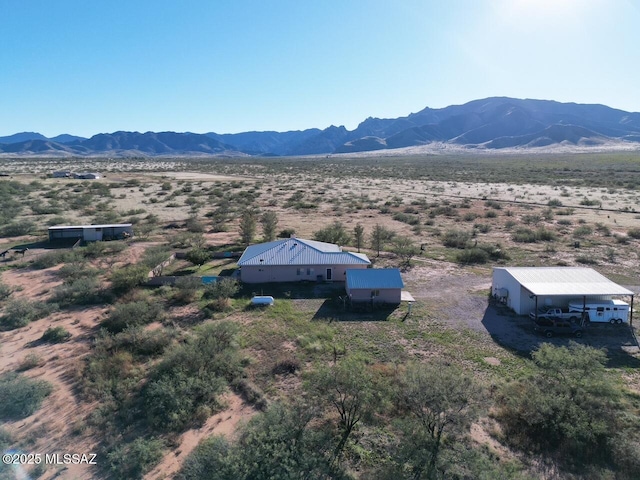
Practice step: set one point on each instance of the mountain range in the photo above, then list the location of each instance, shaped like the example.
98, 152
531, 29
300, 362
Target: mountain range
491, 124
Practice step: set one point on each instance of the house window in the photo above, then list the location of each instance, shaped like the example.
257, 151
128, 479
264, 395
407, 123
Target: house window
300, 271
309, 271
375, 293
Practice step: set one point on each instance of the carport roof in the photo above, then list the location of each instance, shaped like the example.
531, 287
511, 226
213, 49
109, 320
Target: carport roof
565, 281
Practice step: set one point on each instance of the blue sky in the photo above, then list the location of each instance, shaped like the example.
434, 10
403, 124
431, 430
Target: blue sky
87, 67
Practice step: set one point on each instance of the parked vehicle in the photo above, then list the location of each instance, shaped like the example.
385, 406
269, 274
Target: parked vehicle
557, 326
555, 312
612, 311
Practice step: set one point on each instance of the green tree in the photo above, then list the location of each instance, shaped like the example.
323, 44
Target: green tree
567, 408
247, 226
380, 237
198, 256
348, 388
269, 222
441, 400
358, 236
334, 233
405, 249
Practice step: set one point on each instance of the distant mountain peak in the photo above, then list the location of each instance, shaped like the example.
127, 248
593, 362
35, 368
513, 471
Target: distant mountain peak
489, 123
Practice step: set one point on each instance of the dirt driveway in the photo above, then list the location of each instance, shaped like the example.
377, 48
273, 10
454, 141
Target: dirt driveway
459, 297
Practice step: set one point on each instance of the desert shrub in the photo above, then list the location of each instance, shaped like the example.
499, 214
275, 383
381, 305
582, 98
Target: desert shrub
127, 278
554, 202
83, 291
76, 270
406, 218
186, 289
536, 413
286, 233
472, 255
481, 253
533, 219
5, 291
17, 229
19, 312
545, 235
582, 231
109, 376
493, 204
621, 239
55, 335
132, 314
456, 239
490, 214
194, 225
222, 288
287, 365
31, 360
21, 396
139, 341
133, 460
586, 260
51, 259
446, 210
482, 227
564, 222
589, 202
526, 235
183, 389
634, 233
469, 216
334, 233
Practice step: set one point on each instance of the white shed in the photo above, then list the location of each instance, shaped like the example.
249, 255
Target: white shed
523, 289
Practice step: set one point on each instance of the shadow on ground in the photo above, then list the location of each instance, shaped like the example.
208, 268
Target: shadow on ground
338, 310
515, 333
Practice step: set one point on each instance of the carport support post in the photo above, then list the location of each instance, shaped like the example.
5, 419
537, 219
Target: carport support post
536, 310
631, 312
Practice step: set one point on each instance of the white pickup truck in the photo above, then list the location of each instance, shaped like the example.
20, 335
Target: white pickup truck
555, 312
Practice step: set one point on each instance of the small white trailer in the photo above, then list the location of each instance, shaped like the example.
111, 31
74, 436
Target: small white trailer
611, 311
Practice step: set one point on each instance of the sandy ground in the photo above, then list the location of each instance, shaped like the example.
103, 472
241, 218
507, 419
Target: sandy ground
223, 423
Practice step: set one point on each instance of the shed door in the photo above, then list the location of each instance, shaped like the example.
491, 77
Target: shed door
329, 274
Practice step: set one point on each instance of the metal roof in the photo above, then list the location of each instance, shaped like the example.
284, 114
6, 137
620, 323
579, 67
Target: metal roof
298, 251
564, 281
374, 278
111, 225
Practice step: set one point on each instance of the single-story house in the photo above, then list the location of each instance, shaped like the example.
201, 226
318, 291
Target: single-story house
91, 233
297, 259
525, 289
62, 174
377, 285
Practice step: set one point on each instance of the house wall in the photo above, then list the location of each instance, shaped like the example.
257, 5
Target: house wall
287, 273
386, 295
